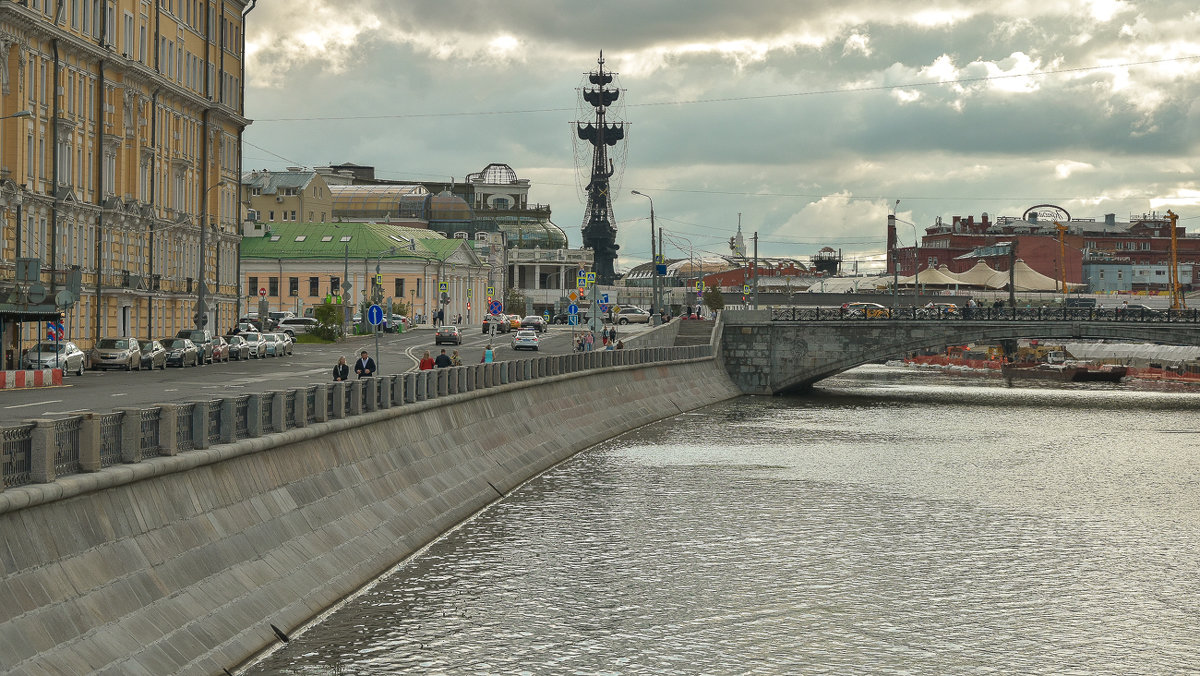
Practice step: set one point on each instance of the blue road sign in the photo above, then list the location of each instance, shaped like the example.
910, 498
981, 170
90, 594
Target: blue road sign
573, 319
572, 309
375, 315
604, 298
495, 307
660, 269
604, 307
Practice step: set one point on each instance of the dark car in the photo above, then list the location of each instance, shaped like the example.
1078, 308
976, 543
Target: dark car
535, 322
501, 323
203, 340
1141, 311
239, 349
220, 349
153, 354
447, 334
181, 352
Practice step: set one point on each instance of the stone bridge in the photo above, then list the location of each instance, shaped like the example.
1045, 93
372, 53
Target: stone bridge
775, 352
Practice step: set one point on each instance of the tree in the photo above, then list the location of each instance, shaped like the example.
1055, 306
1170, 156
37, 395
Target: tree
514, 302
329, 321
713, 299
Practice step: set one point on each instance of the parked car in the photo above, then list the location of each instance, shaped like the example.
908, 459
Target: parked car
239, 349
63, 355
269, 347
203, 340
297, 325
535, 322
254, 341
525, 339
283, 343
632, 315
154, 355
447, 334
117, 353
500, 322
220, 349
181, 352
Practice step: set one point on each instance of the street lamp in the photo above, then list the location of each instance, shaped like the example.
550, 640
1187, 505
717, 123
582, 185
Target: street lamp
19, 113
916, 259
654, 309
202, 289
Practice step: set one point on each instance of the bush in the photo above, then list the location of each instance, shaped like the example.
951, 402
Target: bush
329, 322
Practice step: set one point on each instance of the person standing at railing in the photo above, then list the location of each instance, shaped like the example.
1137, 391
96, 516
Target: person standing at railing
341, 370
365, 366
488, 355
426, 362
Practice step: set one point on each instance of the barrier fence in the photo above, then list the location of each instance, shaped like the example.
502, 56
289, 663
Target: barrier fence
1117, 314
39, 451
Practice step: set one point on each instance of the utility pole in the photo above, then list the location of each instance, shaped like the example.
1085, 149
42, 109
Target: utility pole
346, 294
755, 289
1177, 302
662, 281
1012, 273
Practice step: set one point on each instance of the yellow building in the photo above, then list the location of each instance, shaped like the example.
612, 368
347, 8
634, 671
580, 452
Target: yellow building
120, 137
296, 195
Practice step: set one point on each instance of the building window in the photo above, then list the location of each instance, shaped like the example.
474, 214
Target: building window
335, 286
252, 285
314, 288
293, 286
418, 289
399, 288
272, 286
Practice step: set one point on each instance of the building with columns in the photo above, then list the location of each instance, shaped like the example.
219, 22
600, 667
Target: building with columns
120, 137
296, 266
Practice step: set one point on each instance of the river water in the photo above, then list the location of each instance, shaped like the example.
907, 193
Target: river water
891, 522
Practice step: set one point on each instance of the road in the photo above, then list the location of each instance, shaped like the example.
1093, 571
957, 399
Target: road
102, 391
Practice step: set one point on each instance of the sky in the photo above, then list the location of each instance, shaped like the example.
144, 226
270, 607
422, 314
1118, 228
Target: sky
806, 120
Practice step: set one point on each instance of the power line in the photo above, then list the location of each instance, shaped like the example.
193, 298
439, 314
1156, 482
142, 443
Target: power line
730, 99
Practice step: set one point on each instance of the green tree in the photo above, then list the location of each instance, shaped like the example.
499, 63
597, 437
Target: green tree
713, 299
514, 302
329, 321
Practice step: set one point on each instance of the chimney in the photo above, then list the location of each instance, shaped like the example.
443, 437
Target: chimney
1110, 219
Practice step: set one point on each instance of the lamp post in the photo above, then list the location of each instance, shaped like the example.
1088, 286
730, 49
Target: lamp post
916, 260
655, 307
200, 319
16, 192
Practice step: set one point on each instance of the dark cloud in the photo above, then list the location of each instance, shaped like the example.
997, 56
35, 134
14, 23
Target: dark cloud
779, 110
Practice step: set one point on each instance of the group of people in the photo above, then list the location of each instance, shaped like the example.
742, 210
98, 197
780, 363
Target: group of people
364, 367
586, 342
442, 361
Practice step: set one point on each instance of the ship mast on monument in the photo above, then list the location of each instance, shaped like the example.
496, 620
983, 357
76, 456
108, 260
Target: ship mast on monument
599, 229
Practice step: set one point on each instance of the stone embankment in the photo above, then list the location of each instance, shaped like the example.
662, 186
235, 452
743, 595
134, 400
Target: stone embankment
191, 563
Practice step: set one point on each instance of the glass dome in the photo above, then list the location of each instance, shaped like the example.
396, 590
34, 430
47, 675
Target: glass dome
526, 232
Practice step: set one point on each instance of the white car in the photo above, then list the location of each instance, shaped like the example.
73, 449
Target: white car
525, 339
632, 315
294, 326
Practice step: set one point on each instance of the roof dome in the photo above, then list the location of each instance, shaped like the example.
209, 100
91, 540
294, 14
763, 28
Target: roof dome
525, 232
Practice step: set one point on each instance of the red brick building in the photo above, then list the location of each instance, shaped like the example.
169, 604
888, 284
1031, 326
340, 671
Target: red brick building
1144, 240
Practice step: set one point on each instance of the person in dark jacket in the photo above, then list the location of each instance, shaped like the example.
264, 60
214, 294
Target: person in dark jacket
443, 360
340, 370
365, 366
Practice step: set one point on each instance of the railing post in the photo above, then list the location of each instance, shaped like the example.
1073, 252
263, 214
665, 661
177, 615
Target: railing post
370, 394
385, 392
199, 428
431, 385
89, 442
42, 452
356, 397
254, 417
504, 373
228, 419
452, 379
472, 377
301, 407
321, 402
131, 434
410, 388
168, 429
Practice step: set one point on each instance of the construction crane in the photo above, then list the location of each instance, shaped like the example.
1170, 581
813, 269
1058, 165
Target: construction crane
1177, 301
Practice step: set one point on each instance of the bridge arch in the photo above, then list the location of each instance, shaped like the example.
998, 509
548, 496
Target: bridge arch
775, 357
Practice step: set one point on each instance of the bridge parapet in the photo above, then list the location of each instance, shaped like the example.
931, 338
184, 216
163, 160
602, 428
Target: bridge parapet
782, 350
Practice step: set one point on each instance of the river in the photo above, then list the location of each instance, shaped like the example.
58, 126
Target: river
892, 521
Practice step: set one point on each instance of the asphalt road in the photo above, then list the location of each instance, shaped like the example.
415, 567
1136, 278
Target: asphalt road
101, 391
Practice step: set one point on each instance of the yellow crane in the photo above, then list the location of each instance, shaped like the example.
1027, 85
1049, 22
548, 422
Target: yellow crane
1177, 301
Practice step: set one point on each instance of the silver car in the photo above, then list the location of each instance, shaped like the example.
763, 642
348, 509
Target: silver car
117, 353
63, 355
269, 347
255, 342
284, 343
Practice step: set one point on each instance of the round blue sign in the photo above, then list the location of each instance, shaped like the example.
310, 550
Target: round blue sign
572, 309
375, 315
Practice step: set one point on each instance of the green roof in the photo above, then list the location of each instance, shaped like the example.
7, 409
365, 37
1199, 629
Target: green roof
311, 241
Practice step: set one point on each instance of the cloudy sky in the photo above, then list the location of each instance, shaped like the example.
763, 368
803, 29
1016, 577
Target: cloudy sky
807, 118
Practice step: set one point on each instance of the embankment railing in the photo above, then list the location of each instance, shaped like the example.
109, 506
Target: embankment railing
39, 451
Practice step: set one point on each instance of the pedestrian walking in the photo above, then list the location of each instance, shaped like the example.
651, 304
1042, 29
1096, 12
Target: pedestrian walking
455, 360
365, 366
426, 362
443, 360
341, 370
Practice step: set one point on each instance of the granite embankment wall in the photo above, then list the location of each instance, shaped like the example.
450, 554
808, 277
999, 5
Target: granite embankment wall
184, 565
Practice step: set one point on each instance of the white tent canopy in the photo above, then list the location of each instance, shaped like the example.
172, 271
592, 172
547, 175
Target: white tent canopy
1026, 278
977, 275
933, 277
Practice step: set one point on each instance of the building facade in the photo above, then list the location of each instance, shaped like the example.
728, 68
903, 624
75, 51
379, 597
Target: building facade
1143, 241
120, 137
296, 266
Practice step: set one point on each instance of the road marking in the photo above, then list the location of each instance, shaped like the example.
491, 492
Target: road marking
118, 394
36, 403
